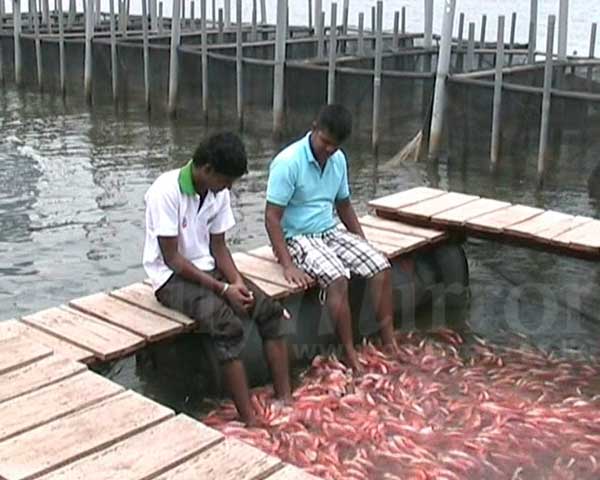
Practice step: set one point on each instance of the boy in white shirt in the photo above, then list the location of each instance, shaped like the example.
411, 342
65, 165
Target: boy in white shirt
188, 211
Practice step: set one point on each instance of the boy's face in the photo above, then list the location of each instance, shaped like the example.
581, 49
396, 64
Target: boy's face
213, 180
324, 144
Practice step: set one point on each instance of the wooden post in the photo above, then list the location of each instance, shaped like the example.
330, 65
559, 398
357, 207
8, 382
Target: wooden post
227, 14
482, 41
161, 24
17, 38
318, 10
321, 36
470, 63
45, 14
310, 16
146, 47
439, 99
461, 29
89, 38
345, 10
377, 76
2, 12
513, 29
263, 12
154, 15
114, 65
97, 13
182, 18
72, 13
332, 55
38, 46
361, 34
592, 54
403, 29
533, 16
563, 27
428, 39
546, 98
395, 37
127, 10
61, 48
497, 112
204, 33
220, 37
279, 70
174, 60
192, 14
239, 64
254, 21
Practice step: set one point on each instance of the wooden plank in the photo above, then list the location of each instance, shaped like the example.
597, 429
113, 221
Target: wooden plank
265, 252
546, 220
10, 328
106, 341
500, 219
141, 322
229, 460
459, 216
37, 375
586, 236
555, 231
399, 240
144, 455
65, 440
432, 206
54, 401
391, 203
263, 269
142, 296
290, 472
399, 227
16, 352
271, 289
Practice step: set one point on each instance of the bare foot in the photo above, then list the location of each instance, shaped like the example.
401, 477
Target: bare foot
350, 358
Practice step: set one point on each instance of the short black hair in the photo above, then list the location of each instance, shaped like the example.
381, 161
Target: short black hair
225, 152
335, 120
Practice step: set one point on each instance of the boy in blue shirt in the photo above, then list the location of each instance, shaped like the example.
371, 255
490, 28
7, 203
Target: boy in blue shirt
307, 180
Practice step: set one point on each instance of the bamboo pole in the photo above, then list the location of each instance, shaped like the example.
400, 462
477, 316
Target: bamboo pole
2, 12
89, 61
332, 55
97, 13
174, 59
220, 36
482, 41
214, 13
239, 65
161, 23
403, 29
318, 10
361, 34
146, 47
254, 21
396, 31
227, 10
204, 33
72, 14
439, 99
279, 70
513, 31
310, 16
38, 46
497, 112
533, 16
45, 14
113, 52
192, 14
470, 63
17, 38
154, 15
377, 76
546, 100
263, 12
563, 26
321, 37
61, 49
592, 54
345, 10
428, 39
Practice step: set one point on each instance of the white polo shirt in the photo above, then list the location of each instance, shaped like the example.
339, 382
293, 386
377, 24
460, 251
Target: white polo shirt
170, 212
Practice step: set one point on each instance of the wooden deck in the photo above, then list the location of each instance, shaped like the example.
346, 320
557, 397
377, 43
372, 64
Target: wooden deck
488, 218
59, 420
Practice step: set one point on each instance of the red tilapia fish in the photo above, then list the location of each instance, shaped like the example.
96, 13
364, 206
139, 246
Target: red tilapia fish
439, 408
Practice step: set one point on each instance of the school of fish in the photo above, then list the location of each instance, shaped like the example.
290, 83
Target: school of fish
439, 408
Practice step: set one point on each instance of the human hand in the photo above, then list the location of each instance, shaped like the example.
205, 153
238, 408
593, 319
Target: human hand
296, 276
240, 297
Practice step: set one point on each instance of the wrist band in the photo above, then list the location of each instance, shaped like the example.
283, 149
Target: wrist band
225, 288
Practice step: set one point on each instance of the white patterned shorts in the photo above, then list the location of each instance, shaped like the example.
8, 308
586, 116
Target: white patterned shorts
335, 254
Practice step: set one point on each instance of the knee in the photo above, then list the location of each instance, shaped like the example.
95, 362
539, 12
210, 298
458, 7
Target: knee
338, 288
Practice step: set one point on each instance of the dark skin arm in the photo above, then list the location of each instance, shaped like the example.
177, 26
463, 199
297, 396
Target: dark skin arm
237, 294
348, 217
292, 274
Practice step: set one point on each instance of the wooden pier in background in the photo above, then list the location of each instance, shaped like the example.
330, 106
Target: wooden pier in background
59, 420
472, 215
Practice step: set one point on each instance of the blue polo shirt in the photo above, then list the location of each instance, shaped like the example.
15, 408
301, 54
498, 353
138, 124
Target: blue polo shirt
307, 193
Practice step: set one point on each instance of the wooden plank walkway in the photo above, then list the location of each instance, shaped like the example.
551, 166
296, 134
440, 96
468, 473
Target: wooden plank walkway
484, 217
58, 420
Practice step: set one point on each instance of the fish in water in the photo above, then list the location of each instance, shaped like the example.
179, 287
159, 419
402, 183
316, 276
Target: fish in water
442, 407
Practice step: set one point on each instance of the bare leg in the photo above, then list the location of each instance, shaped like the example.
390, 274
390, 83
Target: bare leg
339, 310
237, 386
381, 293
277, 357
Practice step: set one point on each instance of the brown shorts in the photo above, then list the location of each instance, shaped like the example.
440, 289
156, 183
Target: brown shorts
216, 318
